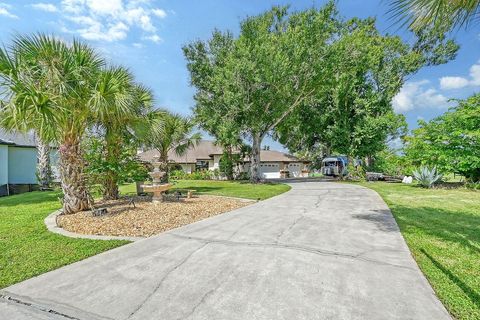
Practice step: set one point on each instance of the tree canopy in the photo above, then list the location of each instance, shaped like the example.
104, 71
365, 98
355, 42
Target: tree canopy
451, 142
257, 79
309, 78
352, 112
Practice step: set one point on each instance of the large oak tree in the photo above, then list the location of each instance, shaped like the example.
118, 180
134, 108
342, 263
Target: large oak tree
257, 79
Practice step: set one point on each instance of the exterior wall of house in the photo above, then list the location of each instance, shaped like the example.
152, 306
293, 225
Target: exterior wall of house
188, 167
54, 158
3, 165
22, 165
215, 163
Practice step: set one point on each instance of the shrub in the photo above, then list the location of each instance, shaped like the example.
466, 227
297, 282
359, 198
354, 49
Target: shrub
427, 176
177, 174
196, 175
473, 185
355, 173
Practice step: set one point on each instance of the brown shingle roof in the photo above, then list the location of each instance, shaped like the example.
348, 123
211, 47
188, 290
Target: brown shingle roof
202, 151
205, 149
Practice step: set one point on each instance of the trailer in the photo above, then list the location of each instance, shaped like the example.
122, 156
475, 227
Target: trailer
334, 166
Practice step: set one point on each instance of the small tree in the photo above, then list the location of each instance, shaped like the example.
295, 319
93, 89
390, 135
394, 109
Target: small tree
100, 166
168, 132
451, 142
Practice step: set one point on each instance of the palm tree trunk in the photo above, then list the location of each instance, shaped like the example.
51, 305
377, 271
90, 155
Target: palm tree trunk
44, 169
164, 167
71, 167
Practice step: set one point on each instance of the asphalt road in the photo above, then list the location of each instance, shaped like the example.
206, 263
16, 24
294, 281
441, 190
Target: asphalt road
321, 251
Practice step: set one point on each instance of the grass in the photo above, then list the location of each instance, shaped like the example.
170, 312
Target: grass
223, 188
442, 230
27, 248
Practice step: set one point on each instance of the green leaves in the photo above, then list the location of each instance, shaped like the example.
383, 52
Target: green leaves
451, 141
418, 14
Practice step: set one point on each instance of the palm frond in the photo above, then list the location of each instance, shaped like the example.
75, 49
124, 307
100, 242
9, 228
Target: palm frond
417, 14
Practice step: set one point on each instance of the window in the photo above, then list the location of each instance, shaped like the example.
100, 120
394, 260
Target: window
201, 165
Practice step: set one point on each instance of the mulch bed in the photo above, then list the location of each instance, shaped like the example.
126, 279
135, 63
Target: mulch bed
147, 218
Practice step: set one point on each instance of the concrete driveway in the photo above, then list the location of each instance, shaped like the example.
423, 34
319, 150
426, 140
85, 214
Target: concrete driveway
321, 251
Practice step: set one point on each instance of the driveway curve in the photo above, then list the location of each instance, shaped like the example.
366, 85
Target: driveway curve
323, 250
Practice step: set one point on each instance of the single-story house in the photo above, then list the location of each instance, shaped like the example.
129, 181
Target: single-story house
18, 163
206, 156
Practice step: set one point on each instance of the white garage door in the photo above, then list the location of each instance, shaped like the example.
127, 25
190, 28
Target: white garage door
270, 170
294, 169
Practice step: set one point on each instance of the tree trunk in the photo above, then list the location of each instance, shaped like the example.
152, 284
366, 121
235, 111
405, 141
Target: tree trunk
164, 167
368, 161
110, 187
44, 169
110, 184
71, 167
255, 159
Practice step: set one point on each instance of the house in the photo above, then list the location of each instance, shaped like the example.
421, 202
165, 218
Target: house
206, 156
18, 163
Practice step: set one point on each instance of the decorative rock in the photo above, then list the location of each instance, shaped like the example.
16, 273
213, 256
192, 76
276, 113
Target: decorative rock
99, 212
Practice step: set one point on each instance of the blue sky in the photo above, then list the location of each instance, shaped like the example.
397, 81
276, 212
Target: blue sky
147, 36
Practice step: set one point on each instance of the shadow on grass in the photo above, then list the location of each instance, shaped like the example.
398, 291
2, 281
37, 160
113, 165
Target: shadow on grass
382, 219
452, 226
472, 295
30, 198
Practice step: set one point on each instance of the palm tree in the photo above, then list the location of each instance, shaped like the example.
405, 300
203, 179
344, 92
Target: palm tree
121, 105
168, 132
68, 74
15, 91
418, 14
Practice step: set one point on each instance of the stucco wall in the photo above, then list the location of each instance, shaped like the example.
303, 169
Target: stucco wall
187, 167
22, 165
54, 158
3, 165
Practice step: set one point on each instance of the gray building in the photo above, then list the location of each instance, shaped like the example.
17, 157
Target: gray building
18, 162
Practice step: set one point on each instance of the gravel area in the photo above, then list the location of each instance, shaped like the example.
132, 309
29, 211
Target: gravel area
147, 218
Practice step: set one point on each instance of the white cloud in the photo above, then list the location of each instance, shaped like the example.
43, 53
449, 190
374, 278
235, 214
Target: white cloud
48, 7
415, 95
159, 13
475, 74
453, 82
138, 45
155, 38
111, 20
462, 82
5, 11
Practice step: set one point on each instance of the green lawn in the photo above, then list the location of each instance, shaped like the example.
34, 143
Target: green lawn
442, 229
27, 248
224, 188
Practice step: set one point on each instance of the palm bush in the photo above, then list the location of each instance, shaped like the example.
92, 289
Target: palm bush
427, 176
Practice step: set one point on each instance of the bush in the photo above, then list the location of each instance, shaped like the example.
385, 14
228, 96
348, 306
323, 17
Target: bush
196, 175
243, 176
392, 164
427, 176
473, 185
355, 173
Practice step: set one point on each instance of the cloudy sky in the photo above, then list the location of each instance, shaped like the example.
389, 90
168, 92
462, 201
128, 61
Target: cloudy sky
147, 36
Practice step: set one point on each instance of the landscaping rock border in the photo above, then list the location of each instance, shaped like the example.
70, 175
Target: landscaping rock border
51, 223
